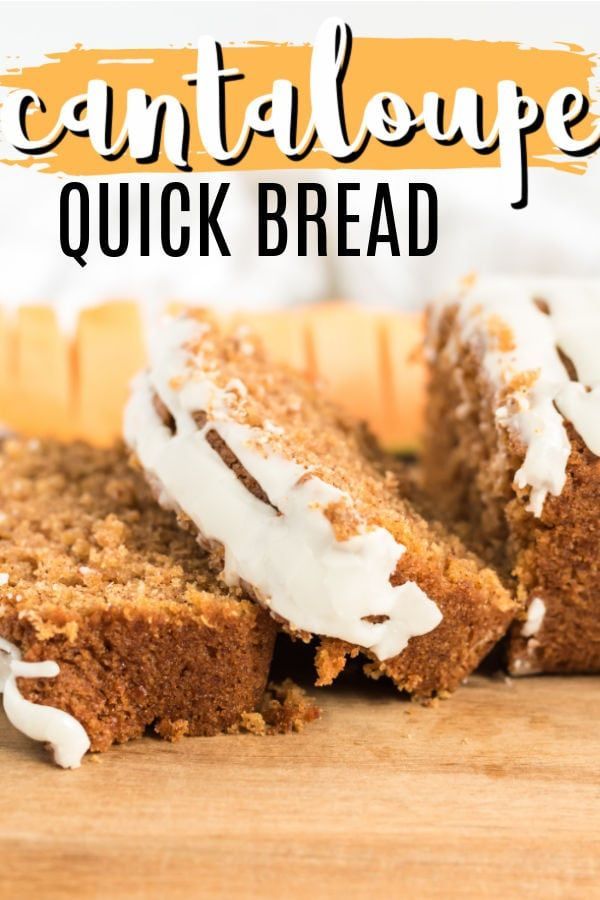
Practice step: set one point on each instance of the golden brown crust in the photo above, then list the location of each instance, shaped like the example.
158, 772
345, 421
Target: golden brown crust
101, 580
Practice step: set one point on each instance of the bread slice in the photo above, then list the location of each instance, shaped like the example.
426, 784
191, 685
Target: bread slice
299, 507
515, 378
95, 577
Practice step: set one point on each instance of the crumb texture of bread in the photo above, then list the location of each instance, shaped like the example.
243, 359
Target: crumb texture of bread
557, 560
551, 560
293, 420
100, 579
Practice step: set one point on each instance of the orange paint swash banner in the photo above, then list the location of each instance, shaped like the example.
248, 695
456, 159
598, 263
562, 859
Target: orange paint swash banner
370, 103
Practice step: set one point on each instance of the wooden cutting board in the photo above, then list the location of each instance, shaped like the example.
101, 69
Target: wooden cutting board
495, 793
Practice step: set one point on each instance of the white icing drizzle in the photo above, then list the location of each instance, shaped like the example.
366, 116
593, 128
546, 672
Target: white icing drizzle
67, 737
535, 617
289, 555
537, 415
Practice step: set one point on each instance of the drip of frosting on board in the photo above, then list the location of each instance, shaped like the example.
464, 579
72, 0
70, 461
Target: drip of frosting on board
67, 737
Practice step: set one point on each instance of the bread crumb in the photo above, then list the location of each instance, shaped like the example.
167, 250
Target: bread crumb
172, 730
286, 708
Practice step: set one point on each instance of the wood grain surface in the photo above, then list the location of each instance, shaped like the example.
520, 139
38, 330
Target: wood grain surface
494, 793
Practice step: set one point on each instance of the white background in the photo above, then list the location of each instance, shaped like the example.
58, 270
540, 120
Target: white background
559, 232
